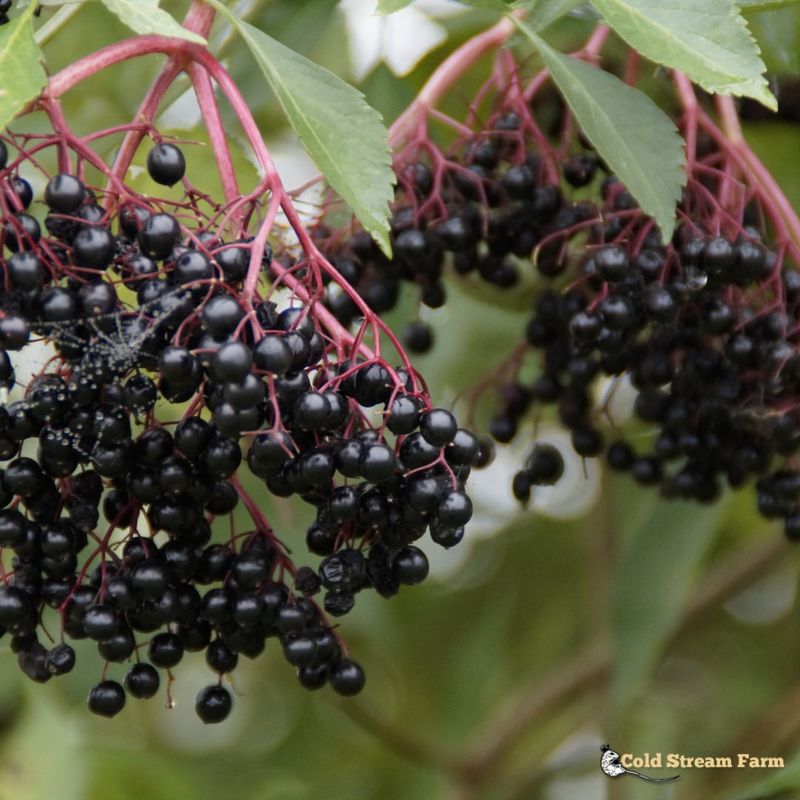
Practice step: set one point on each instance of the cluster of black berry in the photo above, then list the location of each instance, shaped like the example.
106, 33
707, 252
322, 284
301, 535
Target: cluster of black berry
705, 326
5, 7
483, 211
144, 308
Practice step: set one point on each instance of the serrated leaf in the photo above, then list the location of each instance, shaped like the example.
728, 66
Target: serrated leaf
752, 6
144, 16
22, 76
390, 6
342, 133
655, 571
637, 140
709, 41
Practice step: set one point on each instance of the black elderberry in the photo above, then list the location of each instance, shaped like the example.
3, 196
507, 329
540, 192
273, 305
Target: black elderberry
438, 426
166, 164
545, 465
142, 681
611, 263
21, 232
377, 463
165, 650
158, 235
213, 704
64, 193
410, 565
60, 660
418, 337
26, 271
107, 699
454, 509
93, 248
232, 362
347, 678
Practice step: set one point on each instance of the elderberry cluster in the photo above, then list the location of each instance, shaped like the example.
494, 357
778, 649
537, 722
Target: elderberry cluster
108, 511
483, 212
704, 327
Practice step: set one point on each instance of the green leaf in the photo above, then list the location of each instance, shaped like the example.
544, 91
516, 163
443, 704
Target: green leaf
777, 783
632, 134
390, 6
709, 41
752, 6
22, 76
144, 16
655, 571
487, 5
342, 133
545, 12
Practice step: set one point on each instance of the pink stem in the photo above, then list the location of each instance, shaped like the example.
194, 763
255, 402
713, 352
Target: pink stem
198, 19
757, 173
216, 130
448, 72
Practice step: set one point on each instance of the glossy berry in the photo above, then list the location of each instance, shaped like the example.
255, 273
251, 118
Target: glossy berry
166, 164
64, 193
142, 681
213, 704
107, 699
438, 427
347, 678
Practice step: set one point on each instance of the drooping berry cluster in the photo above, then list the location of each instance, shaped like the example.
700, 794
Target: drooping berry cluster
180, 352
704, 327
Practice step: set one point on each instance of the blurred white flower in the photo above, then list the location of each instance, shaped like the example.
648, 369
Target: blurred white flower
400, 40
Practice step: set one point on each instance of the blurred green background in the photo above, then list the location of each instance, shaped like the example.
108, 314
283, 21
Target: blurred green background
655, 627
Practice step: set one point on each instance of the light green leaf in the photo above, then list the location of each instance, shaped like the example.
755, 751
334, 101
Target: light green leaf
390, 6
752, 6
488, 5
22, 76
344, 135
144, 16
777, 783
709, 41
632, 134
655, 571
545, 12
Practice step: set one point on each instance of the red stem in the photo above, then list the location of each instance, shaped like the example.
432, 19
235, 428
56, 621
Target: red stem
216, 131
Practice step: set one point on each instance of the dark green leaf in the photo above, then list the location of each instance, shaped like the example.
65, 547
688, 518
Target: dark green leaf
632, 134
144, 16
709, 41
655, 571
342, 133
22, 76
